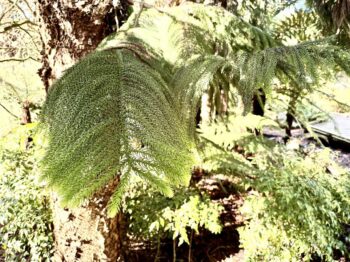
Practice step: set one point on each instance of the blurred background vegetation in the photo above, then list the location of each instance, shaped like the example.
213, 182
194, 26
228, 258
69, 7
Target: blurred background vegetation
20, 47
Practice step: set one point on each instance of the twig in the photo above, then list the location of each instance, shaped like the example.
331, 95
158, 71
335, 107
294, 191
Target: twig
19, 59
13, 88
138, 14
20, 8
332, 98
8, 111
174, 250
28, 5
141, 3
158, 249
17, 24
6, 11
190, 247
31, 37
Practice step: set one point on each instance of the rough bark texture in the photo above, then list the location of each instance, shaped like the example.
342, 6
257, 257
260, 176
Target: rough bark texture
70, 30
26, 116
86, 233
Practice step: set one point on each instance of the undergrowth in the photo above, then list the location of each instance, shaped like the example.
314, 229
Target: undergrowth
25, 215
295, 207
175, 218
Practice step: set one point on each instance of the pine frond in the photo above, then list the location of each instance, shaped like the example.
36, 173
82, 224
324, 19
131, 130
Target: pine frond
110, 115
191, 81
177, 33
300, 65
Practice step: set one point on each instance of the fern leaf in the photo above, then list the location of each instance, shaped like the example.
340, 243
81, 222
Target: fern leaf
109, 115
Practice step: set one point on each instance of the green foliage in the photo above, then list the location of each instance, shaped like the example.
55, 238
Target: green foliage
173, 218
112, 114
129, 108
228, 147
262, 13
297, 27
296, 207
213, 31
299, 208
25, 217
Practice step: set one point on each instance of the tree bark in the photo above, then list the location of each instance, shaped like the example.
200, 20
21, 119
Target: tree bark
26, 116
86, 233
69, 30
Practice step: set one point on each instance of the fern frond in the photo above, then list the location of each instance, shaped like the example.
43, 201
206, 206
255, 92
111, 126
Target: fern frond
191, 81
180, 34
301, 65
175, 34
109, 115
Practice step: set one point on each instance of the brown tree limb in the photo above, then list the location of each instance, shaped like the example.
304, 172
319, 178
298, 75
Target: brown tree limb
6, 11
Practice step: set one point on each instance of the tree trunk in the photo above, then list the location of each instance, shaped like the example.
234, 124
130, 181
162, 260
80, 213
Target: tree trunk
72, 29
26, 116
86, 233
69, 30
